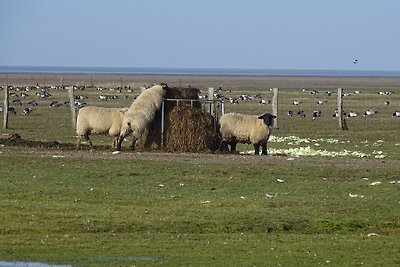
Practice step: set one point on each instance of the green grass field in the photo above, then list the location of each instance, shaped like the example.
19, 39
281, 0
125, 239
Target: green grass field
90, 211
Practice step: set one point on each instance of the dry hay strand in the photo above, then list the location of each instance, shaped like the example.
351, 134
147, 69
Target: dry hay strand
187, 128
182, 93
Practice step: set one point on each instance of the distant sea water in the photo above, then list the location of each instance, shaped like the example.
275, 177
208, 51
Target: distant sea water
195, 71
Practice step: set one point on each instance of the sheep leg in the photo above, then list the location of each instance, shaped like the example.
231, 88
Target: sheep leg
257, 149
264, 149
88, 139
119, 142
78, 142
223, 146
233, 147
132, 146
114, 143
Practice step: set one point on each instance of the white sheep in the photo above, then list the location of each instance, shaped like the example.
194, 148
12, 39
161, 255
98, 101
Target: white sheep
99, 120
250, 129
141, 113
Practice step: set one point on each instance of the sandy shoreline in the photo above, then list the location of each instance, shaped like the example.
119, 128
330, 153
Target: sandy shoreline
203, 82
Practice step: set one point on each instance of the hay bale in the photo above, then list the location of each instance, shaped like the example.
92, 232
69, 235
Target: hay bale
190, 129
182, 93
187, 128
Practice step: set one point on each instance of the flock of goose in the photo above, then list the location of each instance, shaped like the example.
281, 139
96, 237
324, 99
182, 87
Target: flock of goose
315, 113
18, 94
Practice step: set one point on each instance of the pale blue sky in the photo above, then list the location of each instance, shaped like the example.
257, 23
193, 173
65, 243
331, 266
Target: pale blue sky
282, 34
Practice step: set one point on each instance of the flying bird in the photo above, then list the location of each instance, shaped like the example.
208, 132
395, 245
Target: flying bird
355, 61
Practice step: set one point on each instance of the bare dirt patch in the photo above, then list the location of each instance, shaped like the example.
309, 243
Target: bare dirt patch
58, 150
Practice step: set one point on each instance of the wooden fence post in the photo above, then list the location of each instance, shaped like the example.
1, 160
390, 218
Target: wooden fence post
211, 98
162, 123
275, 106
6, 105
342, 120
72, 105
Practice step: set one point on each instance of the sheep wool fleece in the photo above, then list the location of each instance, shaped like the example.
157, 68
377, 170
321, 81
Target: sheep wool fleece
244, 128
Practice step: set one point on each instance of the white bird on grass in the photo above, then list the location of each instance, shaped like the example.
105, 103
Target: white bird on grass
370, 112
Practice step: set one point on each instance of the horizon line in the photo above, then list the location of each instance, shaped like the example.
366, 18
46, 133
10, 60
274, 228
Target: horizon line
196, 71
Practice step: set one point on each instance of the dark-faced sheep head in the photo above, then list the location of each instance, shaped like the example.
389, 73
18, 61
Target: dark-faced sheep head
268, 119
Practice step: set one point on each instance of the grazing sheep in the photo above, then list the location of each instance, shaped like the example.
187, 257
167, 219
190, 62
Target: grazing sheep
99, 120
250, 129
141, 113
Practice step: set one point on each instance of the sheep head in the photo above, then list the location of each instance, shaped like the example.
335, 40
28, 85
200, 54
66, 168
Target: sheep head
268, 119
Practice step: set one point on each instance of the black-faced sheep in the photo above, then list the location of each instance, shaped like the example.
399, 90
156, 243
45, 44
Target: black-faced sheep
141, 113
99, 120
250, 129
